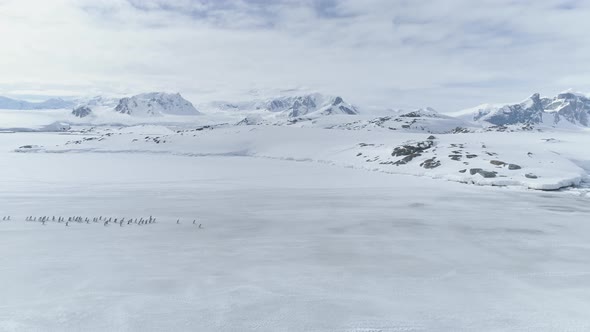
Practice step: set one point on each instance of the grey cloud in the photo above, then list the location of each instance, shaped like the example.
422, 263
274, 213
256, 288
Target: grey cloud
440, 53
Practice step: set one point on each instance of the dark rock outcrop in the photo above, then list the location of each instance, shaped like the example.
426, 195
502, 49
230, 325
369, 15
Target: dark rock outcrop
430, 163
484, 173
82, 111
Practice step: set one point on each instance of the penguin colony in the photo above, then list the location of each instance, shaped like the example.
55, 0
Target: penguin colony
106, 221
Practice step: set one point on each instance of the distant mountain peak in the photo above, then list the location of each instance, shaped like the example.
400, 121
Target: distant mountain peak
156, 104
535, 97
52, 103
310, 104
421, 112
290, 106
566, 108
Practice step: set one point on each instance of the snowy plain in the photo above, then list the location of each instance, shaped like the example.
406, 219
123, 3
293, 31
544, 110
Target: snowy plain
286, 244
545, 160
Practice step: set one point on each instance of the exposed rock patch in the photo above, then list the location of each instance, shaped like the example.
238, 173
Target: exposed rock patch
82, 111
513, 167
497, 163
409, 149
430, 163
484, 173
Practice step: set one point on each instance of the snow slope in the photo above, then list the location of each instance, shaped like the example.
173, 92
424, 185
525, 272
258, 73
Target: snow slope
420, 120
540, 160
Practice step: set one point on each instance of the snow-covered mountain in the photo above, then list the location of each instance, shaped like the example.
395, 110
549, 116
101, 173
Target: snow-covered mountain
54, 103
565, 109
98, 101
425, 120
156, 104
569, 106
309, 105
312, 104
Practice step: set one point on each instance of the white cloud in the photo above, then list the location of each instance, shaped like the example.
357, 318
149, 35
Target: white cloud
395, 53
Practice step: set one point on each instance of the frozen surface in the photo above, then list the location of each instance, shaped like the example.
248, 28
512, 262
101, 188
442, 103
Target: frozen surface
285, 246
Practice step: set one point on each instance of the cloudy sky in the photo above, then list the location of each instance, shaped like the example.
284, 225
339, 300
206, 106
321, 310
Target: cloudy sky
448, 54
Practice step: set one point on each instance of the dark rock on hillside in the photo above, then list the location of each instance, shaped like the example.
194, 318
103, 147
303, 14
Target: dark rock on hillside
497, 162
410, 149
430, 163
484, 173
82, 111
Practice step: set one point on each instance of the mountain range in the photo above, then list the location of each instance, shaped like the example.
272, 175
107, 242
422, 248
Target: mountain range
564, 110
54, 103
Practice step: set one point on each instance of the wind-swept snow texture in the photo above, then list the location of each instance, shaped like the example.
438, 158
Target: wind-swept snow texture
284, 246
